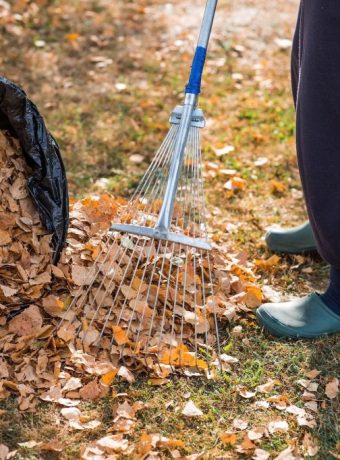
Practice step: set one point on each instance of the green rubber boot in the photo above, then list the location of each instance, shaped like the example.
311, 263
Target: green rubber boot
308, 318
295, 240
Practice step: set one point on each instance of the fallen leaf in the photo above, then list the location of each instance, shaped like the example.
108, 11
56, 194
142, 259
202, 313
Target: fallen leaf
332, 388
91, 391
28, 444
240, 424
126, 374
4, 451
71, 413
113, 443
125, 410
52, 446
313, 374
277, 425
256, 433
310, 445
72, 384
224, 150
228, 438
190, 410
287, 454
119, 335
66, 332
268, 264
308, 384
268, 386
109, 377
28, 322
8, 291
5, 238
260, 454
245, 393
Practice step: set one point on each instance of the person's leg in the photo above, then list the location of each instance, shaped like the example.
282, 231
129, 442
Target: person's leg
299, 239
318, 146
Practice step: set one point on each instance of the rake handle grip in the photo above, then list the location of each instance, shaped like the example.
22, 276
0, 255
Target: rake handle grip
194, 83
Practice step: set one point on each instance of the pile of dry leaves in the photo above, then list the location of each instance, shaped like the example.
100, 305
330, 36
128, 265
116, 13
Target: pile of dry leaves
61, 361
35, 295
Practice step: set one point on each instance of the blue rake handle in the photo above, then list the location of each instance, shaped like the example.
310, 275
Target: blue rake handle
194, 83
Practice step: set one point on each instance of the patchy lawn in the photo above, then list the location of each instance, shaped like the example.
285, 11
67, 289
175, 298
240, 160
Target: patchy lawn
105, 76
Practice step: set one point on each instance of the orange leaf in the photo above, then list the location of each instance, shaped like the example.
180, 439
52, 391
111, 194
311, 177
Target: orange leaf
119, 335
108, 378
72, 37
228, 438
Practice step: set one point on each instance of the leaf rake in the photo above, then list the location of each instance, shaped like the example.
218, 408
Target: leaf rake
150, 291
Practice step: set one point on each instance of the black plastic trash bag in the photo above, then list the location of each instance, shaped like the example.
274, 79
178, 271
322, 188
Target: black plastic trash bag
47, 184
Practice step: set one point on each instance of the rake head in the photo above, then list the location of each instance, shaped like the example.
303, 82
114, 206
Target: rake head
150, 290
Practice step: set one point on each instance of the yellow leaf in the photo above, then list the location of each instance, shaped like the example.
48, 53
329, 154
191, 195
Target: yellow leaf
278, 187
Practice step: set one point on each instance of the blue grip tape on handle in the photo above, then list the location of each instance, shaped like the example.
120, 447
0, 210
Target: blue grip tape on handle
194, 83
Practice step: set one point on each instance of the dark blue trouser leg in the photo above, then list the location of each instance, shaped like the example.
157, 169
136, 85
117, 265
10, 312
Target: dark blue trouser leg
316, 88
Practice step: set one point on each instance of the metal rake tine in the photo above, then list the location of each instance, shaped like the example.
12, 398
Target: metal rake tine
156, 163
209, 263
178, 268
155, 192
145, 267
108, 288
160, 155
165, 302
181, 188
158, 288
200, 188
139, 288
107, 317
209, 269
194, 258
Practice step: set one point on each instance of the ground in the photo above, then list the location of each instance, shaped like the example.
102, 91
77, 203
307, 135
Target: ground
105, 75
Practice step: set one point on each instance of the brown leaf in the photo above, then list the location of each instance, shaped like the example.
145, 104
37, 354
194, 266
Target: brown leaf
52, 446
260, 454
91, 391
313, 374
66, 332
332, 388
4, 451
53, 306
125, 410
8, 291
29, 322
268, 386
5, 238
126, 374
310, 445
81, 276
